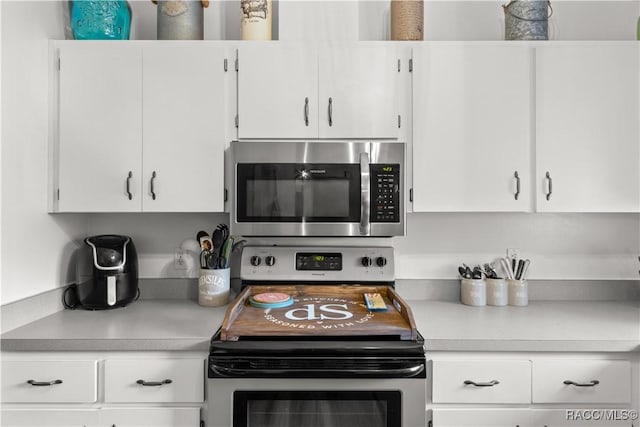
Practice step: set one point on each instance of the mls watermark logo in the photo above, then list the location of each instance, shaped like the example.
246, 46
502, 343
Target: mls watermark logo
587, 415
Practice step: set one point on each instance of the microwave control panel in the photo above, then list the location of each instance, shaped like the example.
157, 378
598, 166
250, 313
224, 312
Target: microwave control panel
385, 192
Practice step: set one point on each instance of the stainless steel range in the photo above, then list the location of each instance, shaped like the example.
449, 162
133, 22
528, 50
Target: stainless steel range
323, 358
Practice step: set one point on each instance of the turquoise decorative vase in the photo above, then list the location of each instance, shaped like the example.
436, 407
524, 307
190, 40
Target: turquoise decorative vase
100, 19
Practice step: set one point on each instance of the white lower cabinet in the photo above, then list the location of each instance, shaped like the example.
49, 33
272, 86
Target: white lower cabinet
534, 389
150, 417
482, 381
38, 417
581, 381
150, 389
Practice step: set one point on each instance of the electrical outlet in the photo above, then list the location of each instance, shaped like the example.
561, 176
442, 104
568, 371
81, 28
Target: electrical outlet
179, 261
513, 253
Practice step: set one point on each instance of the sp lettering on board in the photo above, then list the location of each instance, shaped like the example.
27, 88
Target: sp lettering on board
308, 312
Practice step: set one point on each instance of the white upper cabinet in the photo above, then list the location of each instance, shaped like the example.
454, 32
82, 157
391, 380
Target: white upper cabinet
183, 128
277, 92
472, 128
587, 127
295, 92
140, 127
359, 92
100, 128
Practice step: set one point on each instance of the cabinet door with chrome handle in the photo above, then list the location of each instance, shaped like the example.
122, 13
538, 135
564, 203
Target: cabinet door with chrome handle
154, 380
581, 381
49, 381
481, 381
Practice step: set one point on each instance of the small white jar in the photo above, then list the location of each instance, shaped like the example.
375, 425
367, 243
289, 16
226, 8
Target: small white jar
518, 292
473, 292
497, 293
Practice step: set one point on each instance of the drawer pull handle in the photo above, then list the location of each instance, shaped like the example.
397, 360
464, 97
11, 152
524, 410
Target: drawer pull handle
593, 383
489, 384
44, 383
153, 383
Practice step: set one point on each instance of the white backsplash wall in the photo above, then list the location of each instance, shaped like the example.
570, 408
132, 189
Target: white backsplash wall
36, 246
561, 246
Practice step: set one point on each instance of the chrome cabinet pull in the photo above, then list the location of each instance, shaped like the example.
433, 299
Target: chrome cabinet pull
593, 383
44, 383
153, 178
330, 112
153, 383
475, 384
517, 177
550, 185
129, 184
306, 111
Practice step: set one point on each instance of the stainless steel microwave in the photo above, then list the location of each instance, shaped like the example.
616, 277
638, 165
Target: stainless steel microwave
289, 188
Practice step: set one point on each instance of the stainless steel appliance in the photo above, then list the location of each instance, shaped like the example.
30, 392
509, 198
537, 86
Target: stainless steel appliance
288, 188
106, 272
311, 379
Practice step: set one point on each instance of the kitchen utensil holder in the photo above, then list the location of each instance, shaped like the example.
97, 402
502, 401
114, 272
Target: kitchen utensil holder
473, 292
497, 292
213, 287
518, 292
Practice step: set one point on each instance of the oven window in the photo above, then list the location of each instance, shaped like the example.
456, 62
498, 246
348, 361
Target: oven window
298, 192
317, 409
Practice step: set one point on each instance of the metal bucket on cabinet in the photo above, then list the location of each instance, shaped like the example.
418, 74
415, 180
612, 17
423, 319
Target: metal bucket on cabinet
527, 19
181, 19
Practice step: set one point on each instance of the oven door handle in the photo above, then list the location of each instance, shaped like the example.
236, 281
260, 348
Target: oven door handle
408, 372
365, 194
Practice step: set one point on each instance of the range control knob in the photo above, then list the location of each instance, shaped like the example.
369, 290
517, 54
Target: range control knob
270, 260
381, 261
366, 261
255, 260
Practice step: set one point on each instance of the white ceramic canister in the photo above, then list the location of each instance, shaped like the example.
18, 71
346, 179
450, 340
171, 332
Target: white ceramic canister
255, 19
497, 292
518, 292
473, 292
213, 287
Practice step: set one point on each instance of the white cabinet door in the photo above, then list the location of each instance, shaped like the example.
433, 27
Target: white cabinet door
277, 92
472, 128
587, 127
358, 92
49, 381
183, 128
38, 417
154, 380
581, 381
485, 417
481, 381
150, 417
100, 127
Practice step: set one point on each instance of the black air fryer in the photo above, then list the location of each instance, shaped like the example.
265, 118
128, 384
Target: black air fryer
107, 272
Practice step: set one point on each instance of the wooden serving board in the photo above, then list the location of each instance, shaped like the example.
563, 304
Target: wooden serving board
319, 310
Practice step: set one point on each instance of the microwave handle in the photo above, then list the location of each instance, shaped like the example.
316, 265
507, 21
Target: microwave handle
365, 194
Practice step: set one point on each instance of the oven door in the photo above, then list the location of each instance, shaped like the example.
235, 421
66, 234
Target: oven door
318, 402
317, 189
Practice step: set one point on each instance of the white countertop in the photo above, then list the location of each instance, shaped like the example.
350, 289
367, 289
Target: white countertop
183, 325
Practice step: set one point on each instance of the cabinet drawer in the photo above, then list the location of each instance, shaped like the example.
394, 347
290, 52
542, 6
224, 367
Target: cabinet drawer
150, 417
70, 381
37, 417
453, 381
167, 380
613, 379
